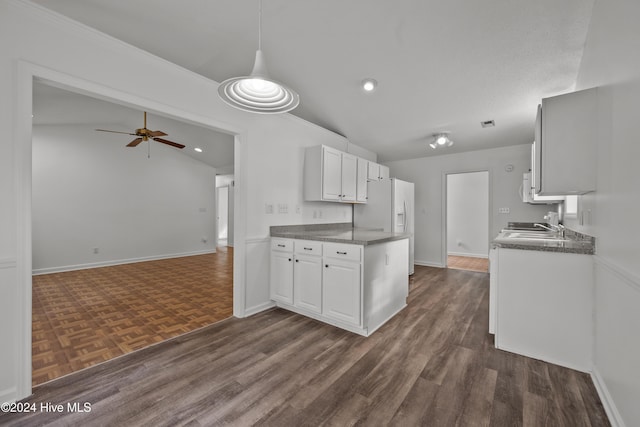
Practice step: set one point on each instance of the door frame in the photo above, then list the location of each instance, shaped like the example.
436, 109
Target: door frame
26, 74
444, 234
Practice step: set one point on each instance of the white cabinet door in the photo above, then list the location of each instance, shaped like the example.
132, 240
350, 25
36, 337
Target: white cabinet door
373, 171
281, 276
341, 299
307, 279
493, 288
361, 185
331, 174
349, 177
568, 132
384, 172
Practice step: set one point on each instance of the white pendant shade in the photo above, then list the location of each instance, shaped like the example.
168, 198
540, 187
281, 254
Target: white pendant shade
258, 93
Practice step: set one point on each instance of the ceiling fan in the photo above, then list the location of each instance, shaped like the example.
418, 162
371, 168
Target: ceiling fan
144, 134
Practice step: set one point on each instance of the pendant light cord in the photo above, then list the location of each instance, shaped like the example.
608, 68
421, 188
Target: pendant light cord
260, 25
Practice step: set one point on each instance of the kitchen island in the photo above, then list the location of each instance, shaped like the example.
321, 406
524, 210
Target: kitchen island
355, 279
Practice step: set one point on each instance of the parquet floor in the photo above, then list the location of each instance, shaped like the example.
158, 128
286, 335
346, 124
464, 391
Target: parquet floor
85, 317
433, 364
468, 263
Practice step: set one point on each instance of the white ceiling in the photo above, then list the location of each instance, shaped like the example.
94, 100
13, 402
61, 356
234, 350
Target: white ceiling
441, 65
54, 106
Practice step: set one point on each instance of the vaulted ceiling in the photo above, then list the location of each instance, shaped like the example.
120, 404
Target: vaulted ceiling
440, 65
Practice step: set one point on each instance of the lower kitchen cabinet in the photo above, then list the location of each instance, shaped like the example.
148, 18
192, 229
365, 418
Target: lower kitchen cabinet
353, 287
307, 282
341, 287
281, 274
544, 305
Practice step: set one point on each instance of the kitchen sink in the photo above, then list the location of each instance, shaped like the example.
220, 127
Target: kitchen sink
532, 235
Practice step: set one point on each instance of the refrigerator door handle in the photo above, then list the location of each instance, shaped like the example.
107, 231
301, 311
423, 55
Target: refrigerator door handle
406, 220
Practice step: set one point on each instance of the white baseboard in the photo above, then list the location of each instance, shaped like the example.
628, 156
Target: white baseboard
64, 268
607, 401
258, 308
8, 395
484, 256
428, 264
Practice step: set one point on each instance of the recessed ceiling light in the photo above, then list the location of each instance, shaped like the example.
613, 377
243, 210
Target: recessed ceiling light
369, 85
488, 123
198, 149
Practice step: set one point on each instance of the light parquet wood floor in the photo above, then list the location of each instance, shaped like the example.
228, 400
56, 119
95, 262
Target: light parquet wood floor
468, 263
433, 364
85, 317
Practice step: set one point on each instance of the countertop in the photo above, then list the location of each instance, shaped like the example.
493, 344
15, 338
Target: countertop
336, 233
576, 243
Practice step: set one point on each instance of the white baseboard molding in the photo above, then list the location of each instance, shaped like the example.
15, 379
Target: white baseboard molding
258, 308
484, 256
544, 358
428, 264
61, 269
8, 395
607, 401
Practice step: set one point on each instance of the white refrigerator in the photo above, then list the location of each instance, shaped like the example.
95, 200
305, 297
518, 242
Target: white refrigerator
390, 207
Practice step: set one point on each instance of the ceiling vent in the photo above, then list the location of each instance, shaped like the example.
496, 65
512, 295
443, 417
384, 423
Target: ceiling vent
488, 123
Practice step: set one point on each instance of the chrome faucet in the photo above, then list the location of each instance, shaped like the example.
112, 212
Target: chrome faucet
555, 228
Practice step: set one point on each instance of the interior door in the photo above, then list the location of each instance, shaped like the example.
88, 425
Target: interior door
223, 213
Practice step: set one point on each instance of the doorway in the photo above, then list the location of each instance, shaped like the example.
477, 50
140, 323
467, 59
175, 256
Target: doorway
81, 314
467, 221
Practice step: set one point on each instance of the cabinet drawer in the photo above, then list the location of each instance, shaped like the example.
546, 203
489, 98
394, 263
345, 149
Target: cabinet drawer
283, 245
308, 247
346, 252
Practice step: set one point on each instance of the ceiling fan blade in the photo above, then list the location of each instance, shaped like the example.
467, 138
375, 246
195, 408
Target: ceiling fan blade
171, 143
135, 142
115, 131
157, 133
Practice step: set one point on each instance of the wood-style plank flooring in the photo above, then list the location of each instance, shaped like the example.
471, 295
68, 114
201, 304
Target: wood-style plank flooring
468, 263
85, 317
433, 364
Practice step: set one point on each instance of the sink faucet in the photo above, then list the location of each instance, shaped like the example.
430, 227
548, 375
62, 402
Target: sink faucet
557, 228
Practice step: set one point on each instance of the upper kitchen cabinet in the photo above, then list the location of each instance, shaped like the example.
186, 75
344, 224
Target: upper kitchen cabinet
377, 172
330, 175
361, 184
565, 145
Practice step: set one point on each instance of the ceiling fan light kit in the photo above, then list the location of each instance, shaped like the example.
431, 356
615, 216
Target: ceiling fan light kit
144, 134
258, 93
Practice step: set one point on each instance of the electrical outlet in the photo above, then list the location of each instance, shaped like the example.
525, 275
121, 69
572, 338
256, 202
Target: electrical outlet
268, 208
503, 210
96, 250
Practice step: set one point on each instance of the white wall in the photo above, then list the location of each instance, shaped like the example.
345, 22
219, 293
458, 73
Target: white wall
428, 174
91, 191
228, 181
612, 63
268, 157
468, 214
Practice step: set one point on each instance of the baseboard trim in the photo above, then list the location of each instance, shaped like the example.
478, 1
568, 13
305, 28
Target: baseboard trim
428, 264
607, 401
468, 255
258, 308
65, 268
8, 395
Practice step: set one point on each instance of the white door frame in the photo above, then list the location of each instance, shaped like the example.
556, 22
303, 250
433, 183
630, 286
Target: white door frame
226, 189
26, 74
444, 236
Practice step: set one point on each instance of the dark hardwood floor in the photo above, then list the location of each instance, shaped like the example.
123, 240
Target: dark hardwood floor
434, 364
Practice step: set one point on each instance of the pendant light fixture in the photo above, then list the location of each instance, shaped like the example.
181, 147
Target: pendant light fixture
258, 93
